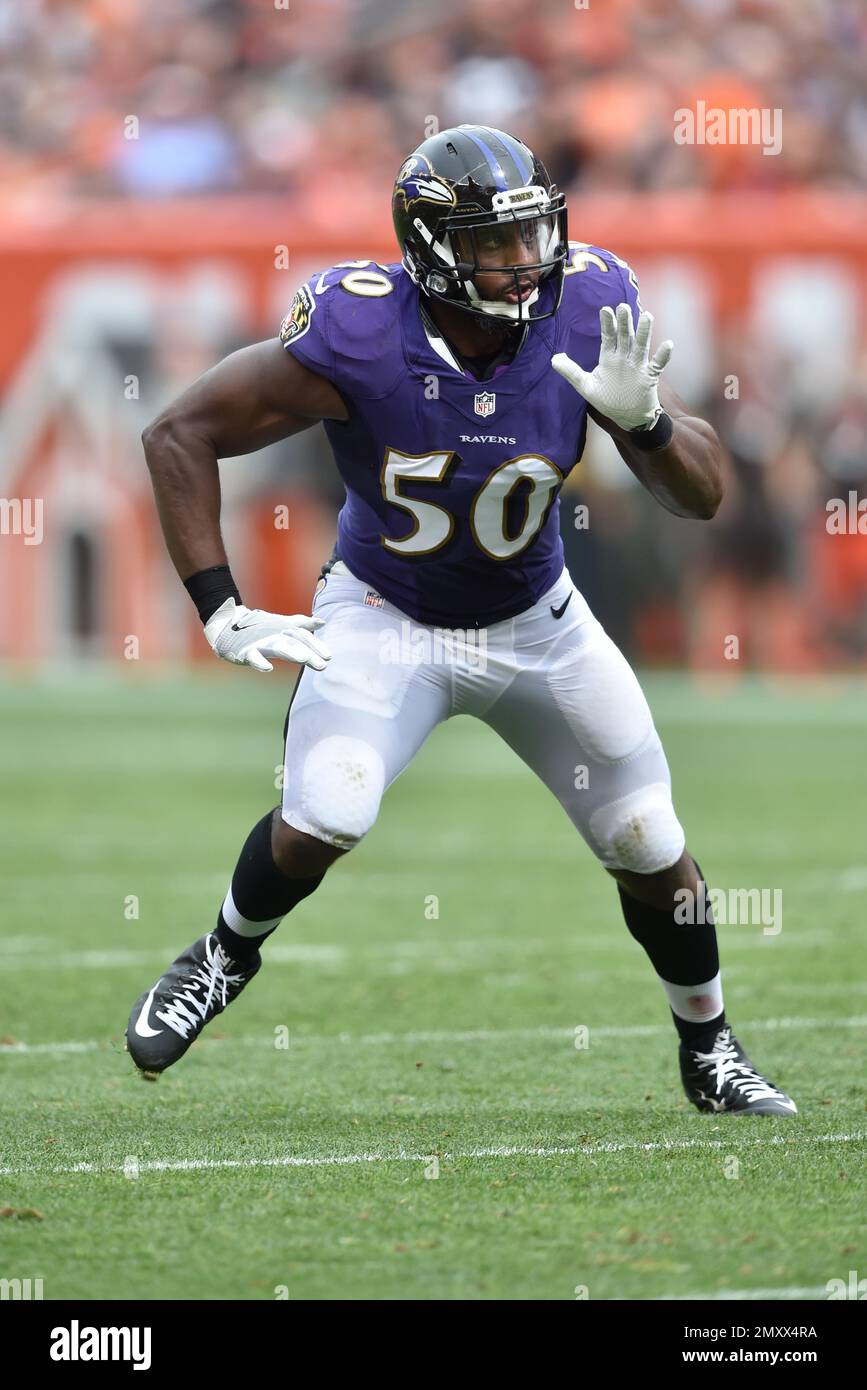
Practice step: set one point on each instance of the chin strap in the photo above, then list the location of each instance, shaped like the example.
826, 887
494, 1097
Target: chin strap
498, 308
458, 360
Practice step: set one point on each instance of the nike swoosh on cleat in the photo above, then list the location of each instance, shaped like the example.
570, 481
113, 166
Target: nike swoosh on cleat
558, 612
142, 1027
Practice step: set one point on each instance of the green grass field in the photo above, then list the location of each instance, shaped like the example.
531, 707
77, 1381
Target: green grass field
310, 1167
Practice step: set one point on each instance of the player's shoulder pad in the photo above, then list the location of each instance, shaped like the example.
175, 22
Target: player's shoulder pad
595, 276
343, 322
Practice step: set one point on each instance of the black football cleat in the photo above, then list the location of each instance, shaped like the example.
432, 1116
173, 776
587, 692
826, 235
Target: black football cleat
724, 1080
167, 1019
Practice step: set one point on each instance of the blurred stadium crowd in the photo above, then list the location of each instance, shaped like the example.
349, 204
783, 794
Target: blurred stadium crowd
320, 94
319, 101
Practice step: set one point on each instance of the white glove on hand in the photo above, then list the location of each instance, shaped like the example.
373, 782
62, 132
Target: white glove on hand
623, 385
247, 636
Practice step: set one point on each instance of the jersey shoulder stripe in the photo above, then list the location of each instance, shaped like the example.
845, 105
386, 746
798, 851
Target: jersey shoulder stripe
595, 277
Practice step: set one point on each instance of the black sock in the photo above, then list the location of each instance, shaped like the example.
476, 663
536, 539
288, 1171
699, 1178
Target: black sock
700, 1036
260, 893
679, 953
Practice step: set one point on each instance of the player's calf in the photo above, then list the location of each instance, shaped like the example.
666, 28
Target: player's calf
264, 889
718, 1076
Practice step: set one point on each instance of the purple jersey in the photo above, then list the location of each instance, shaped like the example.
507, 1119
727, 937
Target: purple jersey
452, 484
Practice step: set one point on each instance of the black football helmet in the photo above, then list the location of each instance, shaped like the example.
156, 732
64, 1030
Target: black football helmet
470, 191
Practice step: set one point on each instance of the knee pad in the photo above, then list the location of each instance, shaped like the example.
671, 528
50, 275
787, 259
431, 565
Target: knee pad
342, 781
639, 832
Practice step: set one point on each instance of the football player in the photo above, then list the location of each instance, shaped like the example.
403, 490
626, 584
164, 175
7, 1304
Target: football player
455, 388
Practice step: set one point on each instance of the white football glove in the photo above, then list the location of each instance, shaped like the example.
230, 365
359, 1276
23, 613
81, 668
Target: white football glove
247, 636
623, 387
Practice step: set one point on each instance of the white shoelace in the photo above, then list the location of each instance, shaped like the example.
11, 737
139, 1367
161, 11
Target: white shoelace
209, 976
723, 1061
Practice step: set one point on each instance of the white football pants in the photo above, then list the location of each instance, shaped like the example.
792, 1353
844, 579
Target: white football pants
556, 689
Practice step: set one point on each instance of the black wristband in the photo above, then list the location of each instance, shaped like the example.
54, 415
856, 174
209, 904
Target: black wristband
210, 588
655, 438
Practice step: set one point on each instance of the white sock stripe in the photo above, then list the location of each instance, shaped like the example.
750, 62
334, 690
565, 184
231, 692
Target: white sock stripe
243, 926
695, 1003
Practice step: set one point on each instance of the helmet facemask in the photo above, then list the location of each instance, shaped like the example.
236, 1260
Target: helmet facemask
464, 246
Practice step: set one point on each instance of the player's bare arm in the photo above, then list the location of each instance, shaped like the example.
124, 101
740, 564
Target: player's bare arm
252, 398
685, 475
674, 454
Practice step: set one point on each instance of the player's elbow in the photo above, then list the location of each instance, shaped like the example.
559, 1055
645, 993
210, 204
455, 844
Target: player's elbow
151, 437
160, 435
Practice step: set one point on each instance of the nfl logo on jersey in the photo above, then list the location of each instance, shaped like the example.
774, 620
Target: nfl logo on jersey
485, 403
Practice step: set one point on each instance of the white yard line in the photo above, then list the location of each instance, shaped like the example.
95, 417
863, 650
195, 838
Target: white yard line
432, 954
816, 1291
541, 1034
182, 1165
299, 954
23, 945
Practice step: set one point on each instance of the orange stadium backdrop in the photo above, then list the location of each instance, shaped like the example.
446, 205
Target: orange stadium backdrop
71, 418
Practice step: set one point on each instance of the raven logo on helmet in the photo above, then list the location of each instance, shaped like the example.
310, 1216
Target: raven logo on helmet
417, 183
